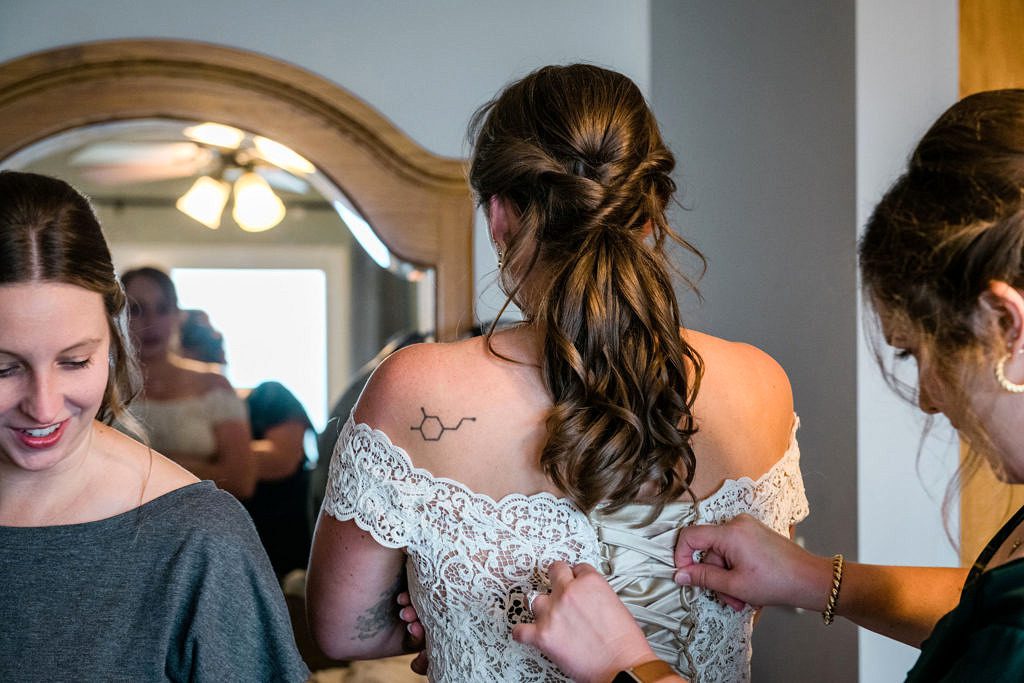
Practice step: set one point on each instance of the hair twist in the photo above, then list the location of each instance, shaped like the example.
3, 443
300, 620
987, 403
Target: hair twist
577, 153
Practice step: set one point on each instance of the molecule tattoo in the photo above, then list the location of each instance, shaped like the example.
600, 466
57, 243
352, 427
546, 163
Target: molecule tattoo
432, 429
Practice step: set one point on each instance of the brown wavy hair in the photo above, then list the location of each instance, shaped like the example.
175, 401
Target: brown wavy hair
949, 226
49, 233
577, 153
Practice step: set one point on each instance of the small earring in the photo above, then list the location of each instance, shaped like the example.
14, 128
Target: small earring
1005, 383
501, 258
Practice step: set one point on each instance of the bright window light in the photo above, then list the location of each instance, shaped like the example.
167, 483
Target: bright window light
274, 323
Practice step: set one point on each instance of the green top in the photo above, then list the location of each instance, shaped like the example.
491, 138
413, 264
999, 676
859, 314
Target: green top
982, 639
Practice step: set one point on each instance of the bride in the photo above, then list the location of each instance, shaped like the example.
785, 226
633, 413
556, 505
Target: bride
590, 432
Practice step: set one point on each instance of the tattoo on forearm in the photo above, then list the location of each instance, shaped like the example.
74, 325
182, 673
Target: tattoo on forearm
432, 429
381, 615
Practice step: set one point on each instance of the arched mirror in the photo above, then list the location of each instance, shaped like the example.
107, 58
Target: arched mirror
388, 224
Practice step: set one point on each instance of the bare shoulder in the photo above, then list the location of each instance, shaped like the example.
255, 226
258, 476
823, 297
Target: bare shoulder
750, 368
415, 377
214, 381
130, 461
165, 476
207, 380
203, 377
745, 402
471, 410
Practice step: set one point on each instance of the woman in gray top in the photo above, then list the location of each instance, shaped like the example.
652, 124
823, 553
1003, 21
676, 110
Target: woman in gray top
116, 563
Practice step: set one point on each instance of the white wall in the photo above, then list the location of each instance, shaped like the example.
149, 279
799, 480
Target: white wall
907, 60
425, 65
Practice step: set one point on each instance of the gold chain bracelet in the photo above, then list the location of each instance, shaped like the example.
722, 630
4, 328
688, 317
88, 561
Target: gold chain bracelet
833, 597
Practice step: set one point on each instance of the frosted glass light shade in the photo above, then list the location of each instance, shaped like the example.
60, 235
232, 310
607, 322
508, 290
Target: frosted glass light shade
204, 201
216, 134
257, 208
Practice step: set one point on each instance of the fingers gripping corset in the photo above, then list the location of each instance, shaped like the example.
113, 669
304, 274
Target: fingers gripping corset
703, 639
639, 566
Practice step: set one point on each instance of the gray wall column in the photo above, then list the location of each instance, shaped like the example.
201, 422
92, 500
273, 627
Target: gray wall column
757, 100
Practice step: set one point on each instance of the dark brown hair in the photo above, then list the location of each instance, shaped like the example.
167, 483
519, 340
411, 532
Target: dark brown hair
49, 233
577, 154
158, 277
200, 340
949, 226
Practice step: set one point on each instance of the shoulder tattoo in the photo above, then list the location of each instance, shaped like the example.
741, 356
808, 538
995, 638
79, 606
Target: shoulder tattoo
431, 428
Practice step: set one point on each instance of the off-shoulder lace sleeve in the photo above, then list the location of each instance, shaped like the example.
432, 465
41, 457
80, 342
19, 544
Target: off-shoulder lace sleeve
791, 503
373, 483
472, 559
795, 498
777, 498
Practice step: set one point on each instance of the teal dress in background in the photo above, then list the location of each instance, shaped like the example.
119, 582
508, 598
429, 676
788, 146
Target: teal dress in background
982, 639
280, 508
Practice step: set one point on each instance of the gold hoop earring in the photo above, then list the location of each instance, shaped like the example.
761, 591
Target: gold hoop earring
1005, 383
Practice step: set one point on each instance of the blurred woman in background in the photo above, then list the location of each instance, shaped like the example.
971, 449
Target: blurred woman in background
190, 410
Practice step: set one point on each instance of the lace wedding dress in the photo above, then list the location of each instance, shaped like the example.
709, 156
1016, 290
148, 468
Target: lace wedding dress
473, 559
688, 627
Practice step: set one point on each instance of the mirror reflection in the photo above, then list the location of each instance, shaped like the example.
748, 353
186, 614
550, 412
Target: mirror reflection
137, 173
269, 265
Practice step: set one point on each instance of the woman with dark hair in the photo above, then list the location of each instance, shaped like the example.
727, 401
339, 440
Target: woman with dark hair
116, 562
190, 410
577, 435
942, 262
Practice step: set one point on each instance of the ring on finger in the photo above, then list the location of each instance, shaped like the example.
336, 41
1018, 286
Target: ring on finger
531, 595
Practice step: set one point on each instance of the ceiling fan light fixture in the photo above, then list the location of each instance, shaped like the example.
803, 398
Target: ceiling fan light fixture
205, 201
257, 208
216, 134
282, 156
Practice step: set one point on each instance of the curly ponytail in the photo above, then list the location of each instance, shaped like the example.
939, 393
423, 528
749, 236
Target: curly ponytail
577, 153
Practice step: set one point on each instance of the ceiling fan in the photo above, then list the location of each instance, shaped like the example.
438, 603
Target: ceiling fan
224, 157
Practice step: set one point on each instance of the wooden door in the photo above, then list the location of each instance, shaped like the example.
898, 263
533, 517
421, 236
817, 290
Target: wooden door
991, 57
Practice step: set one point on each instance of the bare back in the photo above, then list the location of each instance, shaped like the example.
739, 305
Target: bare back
463, 413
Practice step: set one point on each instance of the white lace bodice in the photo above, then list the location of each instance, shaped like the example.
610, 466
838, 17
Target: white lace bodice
472, 559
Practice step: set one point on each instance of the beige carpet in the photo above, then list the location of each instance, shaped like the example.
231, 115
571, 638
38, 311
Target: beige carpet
390, 670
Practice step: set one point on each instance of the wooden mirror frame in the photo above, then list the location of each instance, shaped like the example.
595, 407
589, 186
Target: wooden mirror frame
418, 203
